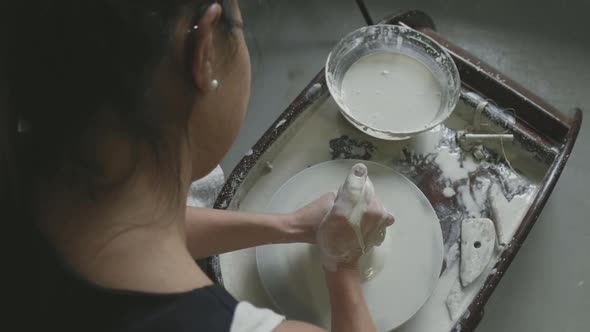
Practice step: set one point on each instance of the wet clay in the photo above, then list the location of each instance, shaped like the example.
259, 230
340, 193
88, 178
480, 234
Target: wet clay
391, 92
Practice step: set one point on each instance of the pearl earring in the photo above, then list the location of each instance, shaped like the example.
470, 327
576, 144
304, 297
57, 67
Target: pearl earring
194, 28
215, 84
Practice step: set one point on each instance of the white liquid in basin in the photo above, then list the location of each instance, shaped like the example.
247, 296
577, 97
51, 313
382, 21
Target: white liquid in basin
391, 92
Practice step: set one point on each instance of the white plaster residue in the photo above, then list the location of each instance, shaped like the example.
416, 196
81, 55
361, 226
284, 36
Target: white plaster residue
249, 153
471, 207
452, 168
458, 297
449, 192
268, 166
454, 301
282, 122
467, 314
508, 214
480, 188
427, 142
513, 182
313, 90
581, 283
452, 255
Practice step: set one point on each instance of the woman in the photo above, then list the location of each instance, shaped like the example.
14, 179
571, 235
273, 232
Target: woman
119, 106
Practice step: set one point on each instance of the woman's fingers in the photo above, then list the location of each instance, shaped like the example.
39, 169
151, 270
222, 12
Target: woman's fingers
352, 190
375, 233
371, 221
336, 236
374, 206
369, 191
355, 202
389, 219
378, 236
375, 221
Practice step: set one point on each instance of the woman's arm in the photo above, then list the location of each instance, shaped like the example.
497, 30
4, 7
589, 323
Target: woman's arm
297, 326
349, 309
211, 232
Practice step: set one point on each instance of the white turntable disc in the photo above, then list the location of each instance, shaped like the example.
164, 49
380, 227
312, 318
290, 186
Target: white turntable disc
406, 267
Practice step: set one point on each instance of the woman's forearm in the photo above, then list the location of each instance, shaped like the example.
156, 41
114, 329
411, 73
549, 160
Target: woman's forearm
349, 309
211, 232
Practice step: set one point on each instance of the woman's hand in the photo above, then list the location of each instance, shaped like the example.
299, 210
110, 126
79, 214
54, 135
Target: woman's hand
308, 218
355, 223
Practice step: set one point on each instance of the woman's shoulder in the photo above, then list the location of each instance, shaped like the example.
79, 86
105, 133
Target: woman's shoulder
82, 307
67, 301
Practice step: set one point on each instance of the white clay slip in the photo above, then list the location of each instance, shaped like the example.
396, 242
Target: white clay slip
455, 301
391, 92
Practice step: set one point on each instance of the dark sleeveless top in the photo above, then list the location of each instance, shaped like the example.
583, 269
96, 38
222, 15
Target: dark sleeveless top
67, 302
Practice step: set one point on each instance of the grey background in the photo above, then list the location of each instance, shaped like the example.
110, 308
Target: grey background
541, 44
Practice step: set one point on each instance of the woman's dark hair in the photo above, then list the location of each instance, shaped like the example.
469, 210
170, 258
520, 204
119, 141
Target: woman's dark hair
69, 62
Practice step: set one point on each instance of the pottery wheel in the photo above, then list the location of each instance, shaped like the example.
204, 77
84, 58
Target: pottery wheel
401, 274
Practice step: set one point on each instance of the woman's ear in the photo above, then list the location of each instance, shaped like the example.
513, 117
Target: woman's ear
204, 51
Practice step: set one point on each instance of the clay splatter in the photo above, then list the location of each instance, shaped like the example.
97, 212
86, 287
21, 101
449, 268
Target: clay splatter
350, 148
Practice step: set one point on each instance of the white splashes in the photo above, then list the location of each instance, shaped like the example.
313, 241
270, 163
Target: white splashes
282, 122
449, 192
481, 187
508, 214
452, 255
471, 207
313, 90
450, 165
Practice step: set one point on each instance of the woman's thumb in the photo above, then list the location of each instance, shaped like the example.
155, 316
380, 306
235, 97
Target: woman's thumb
351, 191
355, 181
